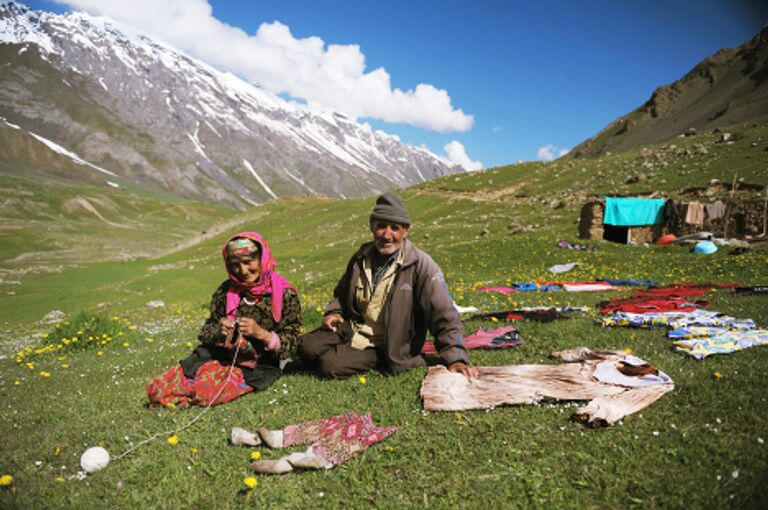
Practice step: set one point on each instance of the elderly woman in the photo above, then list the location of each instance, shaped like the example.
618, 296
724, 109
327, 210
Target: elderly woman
252, 330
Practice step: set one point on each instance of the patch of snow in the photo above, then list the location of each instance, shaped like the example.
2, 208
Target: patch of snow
74, 157
259, 179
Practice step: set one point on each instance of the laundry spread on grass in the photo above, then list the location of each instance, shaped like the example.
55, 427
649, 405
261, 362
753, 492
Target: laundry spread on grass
562, 268
616, 384
531, 313
675, 320
724, 342
501, 338
646, 283
666, 299
760, 290
578, 247
699, 333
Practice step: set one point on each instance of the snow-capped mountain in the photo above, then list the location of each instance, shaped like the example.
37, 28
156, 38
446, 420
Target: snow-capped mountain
139, 109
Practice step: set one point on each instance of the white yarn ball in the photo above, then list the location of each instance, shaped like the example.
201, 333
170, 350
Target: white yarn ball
94, 459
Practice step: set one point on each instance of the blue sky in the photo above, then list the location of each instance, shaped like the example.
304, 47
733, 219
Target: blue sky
505, 78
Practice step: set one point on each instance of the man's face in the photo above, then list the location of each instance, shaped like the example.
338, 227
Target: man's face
387, 236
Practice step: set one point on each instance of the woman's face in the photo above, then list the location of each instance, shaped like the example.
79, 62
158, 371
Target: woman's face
246, 268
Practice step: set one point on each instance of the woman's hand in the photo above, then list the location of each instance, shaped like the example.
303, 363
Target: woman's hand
226, 328
252, 329
331, 321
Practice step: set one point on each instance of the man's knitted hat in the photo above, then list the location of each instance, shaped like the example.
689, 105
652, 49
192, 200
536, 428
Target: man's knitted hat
391, 207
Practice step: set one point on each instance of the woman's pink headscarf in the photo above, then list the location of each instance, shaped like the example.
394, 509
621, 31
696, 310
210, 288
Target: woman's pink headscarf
269, 281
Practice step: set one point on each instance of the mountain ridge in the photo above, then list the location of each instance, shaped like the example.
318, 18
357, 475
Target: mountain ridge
725, 88
164, 120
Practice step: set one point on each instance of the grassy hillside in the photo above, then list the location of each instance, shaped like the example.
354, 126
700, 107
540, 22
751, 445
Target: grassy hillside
700, 446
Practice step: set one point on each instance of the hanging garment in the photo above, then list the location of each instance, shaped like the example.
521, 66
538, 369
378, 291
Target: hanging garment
694, 214
501, 338
723, 343
587, 375
672, 214
339, 438
715, 210
628, 212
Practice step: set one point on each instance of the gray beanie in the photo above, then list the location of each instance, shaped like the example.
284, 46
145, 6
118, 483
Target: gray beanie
391, 207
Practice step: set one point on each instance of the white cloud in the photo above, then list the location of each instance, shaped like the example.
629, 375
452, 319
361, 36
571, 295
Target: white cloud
550, 152
496, 129
457, 155
327, 77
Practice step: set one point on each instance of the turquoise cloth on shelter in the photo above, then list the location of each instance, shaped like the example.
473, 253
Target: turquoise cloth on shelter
627, 212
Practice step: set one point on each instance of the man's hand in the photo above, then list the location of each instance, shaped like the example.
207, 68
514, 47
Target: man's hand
250, 328
463, 369
331, 321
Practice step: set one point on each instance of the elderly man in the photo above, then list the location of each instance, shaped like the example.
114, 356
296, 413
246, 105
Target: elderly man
389, 296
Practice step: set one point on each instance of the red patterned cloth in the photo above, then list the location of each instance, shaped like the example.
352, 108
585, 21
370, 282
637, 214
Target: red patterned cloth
501, 338
173, 387
672, 291
339, 438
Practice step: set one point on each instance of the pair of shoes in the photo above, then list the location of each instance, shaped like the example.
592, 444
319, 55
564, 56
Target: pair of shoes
302, 460
242, 437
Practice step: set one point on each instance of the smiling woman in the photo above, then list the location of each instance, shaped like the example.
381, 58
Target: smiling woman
254, 322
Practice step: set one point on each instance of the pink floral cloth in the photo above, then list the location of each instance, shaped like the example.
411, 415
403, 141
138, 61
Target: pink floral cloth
339, 438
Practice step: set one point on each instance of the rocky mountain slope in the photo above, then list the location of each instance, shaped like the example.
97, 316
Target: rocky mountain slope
729, 87
75, 87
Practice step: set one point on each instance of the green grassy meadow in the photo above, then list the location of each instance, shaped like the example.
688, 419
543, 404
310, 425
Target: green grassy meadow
700, 446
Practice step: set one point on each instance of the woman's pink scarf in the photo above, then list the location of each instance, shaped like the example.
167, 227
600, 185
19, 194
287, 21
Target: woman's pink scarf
269, 281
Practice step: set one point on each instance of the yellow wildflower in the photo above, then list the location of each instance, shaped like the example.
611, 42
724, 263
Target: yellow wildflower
362, 379
126, 344
6, 480
250, 481
255, 455
100, 353
17, 382
171, 405
45, 374
457, 415
717, 376
628, 350
189, 344
64, 365
59, 479
57, 451
173, 440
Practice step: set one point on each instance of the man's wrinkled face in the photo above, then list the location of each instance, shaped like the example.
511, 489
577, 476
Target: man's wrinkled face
388, 237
